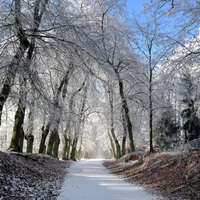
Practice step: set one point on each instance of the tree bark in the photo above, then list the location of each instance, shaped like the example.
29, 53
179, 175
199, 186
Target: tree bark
150, 105
112, 130
30, 140
74, 145
126, 112
54, 140
12, 67
18, 132
50, 143
124, 134
53, 144
112, 145
29, 133
68, 126
17, 136
56, 145
66, 147
42, 148
45, 132
21, 139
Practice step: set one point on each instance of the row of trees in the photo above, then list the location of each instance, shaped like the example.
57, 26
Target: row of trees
86, 75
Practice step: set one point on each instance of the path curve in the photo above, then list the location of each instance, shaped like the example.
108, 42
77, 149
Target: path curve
89, 180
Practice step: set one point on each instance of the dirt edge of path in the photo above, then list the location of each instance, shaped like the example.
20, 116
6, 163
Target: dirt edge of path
174, 175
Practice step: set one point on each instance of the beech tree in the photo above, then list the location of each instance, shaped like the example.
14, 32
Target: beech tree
79, 123
111, 132
22, 45
114, 50
18, 133
29, 137
54, 139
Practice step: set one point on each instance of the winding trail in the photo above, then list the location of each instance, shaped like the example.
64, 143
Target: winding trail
89, 180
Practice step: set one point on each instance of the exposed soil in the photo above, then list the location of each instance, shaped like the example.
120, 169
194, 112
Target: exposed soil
174, 175
30, 176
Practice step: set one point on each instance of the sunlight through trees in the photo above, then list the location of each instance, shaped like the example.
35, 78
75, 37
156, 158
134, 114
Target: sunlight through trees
86, 78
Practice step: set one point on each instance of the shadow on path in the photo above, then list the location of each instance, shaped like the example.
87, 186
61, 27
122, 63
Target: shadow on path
89, 180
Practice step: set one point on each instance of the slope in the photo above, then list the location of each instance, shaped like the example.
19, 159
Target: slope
175, 175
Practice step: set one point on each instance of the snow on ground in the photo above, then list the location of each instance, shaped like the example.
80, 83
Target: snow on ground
89, 180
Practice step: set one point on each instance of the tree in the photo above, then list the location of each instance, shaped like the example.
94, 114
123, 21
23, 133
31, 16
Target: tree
29, 137
12, 68
191, 122
117, 60
18, 132
166, 129
54, 140
80, 122
151, 40
112, 136
181, 76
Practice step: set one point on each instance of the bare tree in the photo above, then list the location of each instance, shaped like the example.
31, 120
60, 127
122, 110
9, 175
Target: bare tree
54, 140
20, 51
112, 135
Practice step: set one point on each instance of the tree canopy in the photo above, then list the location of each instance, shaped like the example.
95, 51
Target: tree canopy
79, 78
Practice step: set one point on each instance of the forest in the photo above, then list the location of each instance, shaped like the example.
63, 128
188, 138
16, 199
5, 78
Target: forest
91, 78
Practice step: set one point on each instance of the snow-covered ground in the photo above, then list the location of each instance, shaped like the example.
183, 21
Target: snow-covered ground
89, 180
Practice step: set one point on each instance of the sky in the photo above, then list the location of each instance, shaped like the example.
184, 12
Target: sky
136, 5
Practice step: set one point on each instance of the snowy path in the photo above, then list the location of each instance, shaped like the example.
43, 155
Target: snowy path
89, 180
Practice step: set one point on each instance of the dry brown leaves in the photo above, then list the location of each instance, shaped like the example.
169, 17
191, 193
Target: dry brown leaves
174, 175
30, 176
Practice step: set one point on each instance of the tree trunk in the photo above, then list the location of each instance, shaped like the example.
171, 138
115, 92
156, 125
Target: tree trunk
53, 144
50, 143
21, 140
54, 139
65, 148
8, 80
112, 130
112, 145
126, 112
12, 67
130, 131
124, 134
29, 133
56, 145
5, 93
80, 121
42, 148
150, 108
18, 132
79, 154
68, 149
73, 152
17, 135
118, 148
123, 145
30, 140
151, 130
